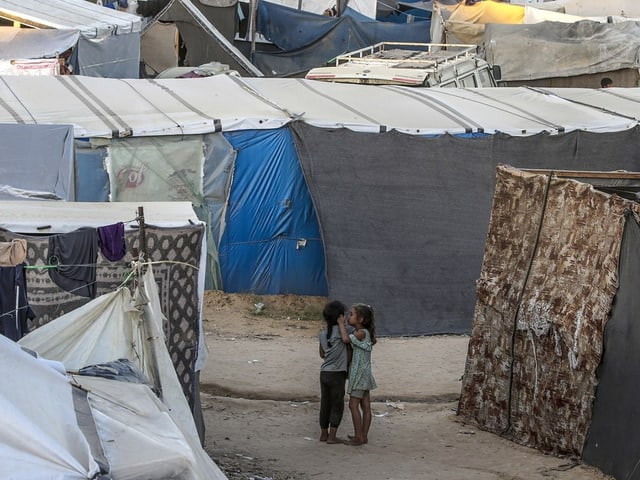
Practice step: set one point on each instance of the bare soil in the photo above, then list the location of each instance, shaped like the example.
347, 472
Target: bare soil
260, 398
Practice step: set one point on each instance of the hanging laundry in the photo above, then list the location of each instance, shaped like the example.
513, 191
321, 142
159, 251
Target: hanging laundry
13, 253
75, 254
112, 241
15, 310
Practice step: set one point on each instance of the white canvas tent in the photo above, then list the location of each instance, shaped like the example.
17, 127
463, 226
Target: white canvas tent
137, 434
173, 232
28, 51
41, 217
109, 40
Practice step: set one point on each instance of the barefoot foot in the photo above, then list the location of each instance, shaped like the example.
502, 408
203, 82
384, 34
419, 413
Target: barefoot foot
353, 442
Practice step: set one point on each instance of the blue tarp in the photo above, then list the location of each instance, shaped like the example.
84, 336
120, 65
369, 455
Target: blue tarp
309, 40
92, 180
271, 243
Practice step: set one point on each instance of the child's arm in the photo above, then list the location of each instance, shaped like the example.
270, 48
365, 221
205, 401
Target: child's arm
321, 351
343, 330
360, 340
360, 335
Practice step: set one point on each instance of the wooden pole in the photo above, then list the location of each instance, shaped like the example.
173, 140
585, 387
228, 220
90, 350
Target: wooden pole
150, 329
142, 238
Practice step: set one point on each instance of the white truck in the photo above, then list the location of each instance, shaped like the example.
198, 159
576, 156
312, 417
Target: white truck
410, 64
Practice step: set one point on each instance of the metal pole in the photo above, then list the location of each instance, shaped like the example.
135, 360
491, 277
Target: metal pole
253, 16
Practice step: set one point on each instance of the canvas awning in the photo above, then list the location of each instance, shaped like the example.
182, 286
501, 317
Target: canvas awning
18, 43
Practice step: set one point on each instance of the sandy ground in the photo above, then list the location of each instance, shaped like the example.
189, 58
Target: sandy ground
260, 398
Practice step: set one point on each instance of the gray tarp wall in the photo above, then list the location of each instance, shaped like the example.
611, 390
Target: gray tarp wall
557, 49
613, 441
37, 162
115, 56
404, 218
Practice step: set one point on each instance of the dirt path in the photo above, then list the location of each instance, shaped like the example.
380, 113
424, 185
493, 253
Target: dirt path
260, 395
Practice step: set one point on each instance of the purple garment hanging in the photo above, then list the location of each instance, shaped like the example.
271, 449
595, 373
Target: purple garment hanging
112, 242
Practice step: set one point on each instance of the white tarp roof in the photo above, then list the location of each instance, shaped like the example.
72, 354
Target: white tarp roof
618, 101
19, 43
93, 21
100, 107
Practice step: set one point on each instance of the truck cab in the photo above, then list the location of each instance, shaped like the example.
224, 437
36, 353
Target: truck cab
410, 64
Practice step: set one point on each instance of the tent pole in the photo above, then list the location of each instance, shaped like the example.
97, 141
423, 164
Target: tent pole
253, 6
142, 247
151, 335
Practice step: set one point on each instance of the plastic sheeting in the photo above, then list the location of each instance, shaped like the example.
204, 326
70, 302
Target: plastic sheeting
93, 21
39, 435
117, 56
156, 169
271, 243
310, 40
591, 8
569, 48
119, 325
194, 168
487, 12
221, 103
36, 162
109, 43
33, 43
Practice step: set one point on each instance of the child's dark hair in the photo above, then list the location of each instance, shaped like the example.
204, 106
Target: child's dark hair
331, 313
365, 312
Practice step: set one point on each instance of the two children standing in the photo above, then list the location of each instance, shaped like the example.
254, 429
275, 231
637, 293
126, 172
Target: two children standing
346, 349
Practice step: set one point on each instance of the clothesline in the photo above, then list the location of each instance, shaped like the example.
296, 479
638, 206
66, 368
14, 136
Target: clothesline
96, 265
127, 278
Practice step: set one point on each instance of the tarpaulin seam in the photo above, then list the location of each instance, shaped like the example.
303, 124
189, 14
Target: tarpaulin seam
343, 105
13, 113
439, 106
261, 97
601, 109
216, 121
66, 80
524, 114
